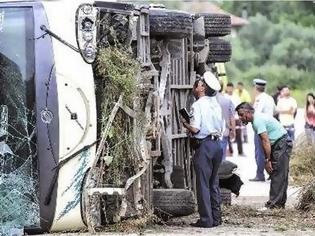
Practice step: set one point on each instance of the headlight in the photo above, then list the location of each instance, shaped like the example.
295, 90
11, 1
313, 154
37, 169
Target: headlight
88, 36
87, 9
89, 51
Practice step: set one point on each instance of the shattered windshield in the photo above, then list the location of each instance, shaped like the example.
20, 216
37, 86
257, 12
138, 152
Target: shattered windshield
18, 154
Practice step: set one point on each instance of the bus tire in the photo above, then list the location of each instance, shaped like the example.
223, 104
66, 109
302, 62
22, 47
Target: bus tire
216, 24
170, 23
220, 50
174, 202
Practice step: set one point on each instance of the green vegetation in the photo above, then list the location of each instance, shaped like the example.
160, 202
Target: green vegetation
278, 45
299, 12
117, 75
119, 71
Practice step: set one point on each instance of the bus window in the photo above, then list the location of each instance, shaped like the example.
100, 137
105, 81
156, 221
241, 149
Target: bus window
18, 153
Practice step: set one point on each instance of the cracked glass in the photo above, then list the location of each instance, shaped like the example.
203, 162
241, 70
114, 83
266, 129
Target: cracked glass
19, 200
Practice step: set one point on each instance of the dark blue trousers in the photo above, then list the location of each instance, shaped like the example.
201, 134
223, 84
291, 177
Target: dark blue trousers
291, 131
206, 161
259, 157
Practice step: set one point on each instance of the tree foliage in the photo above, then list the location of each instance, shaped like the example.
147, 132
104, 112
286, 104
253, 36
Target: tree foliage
299, 12
278, 44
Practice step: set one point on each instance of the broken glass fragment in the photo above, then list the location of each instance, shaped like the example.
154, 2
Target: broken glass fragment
19, 200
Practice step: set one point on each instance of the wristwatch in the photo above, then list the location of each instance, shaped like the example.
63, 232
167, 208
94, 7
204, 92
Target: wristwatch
267, 160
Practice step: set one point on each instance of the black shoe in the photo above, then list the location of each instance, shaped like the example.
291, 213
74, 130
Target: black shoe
270, 206
257, 180
199, 225
267, 204
217, 223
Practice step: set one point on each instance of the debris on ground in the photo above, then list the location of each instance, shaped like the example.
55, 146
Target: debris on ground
133, 225
248, 217
279, 219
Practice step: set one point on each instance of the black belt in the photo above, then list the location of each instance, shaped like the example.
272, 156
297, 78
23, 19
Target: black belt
196, 142
210, 137
277, 141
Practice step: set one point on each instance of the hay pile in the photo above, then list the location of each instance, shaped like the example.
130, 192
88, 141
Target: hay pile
117, 72
302, 164
303, 171
307, 197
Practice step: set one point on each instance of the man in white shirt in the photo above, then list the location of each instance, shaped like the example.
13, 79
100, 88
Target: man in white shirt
206, 127
286, 107
263, 103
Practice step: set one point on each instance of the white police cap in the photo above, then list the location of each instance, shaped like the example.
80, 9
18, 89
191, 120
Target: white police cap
212, 81
260, 82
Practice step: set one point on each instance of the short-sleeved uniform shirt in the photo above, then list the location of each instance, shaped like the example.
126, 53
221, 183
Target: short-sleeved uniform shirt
266, 123
264, 103
207, 117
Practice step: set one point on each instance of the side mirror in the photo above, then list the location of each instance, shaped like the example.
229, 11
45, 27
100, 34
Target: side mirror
86, 29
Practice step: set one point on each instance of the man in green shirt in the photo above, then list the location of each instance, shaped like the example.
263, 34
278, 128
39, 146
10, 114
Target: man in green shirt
277, 147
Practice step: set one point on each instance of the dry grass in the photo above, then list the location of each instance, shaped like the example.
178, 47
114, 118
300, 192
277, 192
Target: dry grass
307, 197
302, 166
279, 219
248, 217
303, 171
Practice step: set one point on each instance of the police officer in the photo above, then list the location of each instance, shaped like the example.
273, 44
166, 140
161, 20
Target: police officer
277, 147
206, 127
263, 104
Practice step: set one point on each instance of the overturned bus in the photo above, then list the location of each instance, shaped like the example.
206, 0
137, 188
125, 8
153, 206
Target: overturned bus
76, 152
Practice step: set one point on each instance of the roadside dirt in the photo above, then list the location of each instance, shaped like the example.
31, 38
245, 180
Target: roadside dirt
250, 219
237, 220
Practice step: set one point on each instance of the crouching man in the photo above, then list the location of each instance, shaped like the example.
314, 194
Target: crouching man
277, 147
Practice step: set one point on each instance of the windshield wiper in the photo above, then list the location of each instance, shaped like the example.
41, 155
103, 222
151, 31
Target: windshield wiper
52, 34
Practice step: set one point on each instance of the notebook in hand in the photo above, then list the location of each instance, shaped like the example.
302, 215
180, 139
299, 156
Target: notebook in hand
183, 112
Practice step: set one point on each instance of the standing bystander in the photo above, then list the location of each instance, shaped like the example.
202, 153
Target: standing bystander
242, 93
310, 116
238, 127
244, 96
276, 97
286, 108
277, 147
228, 111
263, 104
